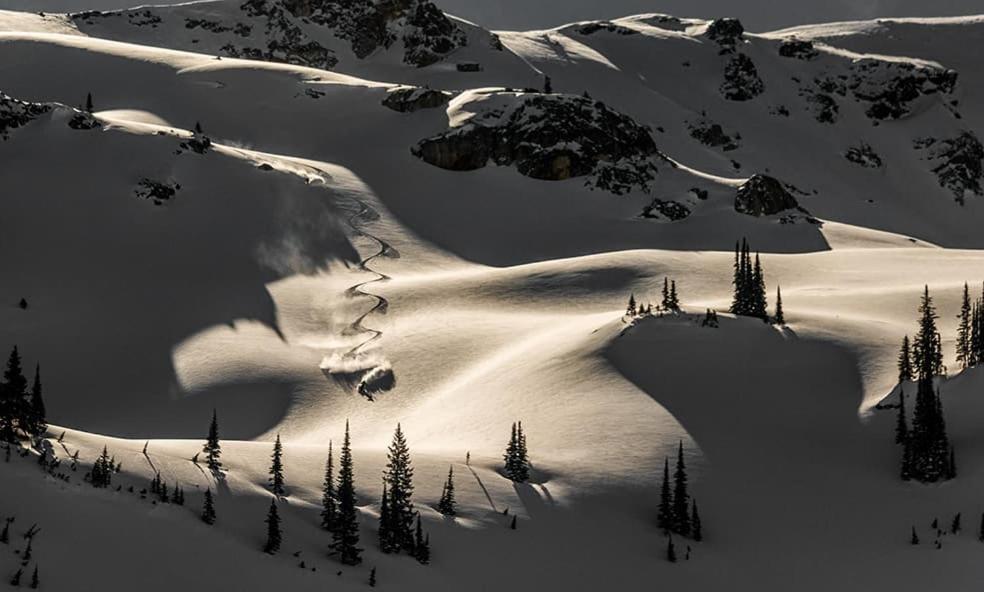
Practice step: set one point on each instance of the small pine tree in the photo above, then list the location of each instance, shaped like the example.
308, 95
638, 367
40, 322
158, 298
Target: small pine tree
399, 480
88, 103
446, 505
664, 517
421, 545
955, 524
273, 529
517, 466
5, 533
914, 539
901, 425
547, 85
385, 523
372, 578
905, 361
39, 424
779, 319
345, 537
696, 529
665, 303
13, 402
630, 310
15, 580
35, 580
208, 508
512, 525
681, 499
670, 550
329, 501
277, 469
212, 447
964, 331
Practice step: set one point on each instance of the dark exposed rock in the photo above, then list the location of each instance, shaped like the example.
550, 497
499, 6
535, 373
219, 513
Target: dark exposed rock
15, 113
726, 32
198, 143
550, 137
863, 155
823, 107
665, 209
607, 26
406, 99
156, 191
762, 195
741, 79
712, 134
797, 48
891, 86
468, 67
956, 163
82, 120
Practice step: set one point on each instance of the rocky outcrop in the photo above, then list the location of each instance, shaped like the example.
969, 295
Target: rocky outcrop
741, 79
606, 26
799, 49
863, 155
550, 137
157, 192
762, 195
956, 162
15, 113
726, 32
406, 99
712, 134
891, 87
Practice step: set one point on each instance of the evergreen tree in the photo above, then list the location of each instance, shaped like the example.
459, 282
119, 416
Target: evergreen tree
976, 335
926, 352
345, 537
780, 319
512, 525
208, 508
517, 464
385, 523
329, 501
372, 578
15, 580
901, 426
399, 480
955, 524
670, 550
905, 361
212, 447
738, 304
665, 304
446, 505
35, 581
681, 500
39, 422
980, 531
914, 539
13, 401
88, 103
547, 85
273, 529
277, 469
749, 284
964, 330
695, 526
664, 517
102, 471
630, 310
759, 303
5, 533
674, 299
421, 545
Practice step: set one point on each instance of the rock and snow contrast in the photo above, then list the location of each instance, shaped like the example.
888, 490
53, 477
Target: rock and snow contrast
323, 295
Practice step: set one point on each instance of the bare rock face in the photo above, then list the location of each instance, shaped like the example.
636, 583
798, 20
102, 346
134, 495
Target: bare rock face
762, 195
15, 113
891, 87
864, 155
605, 26
550, 137
406, 99
712, 134
741, 79
726, 32
956, 162
799, 49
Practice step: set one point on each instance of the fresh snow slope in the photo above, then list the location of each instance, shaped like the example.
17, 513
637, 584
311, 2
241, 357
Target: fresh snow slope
503, 302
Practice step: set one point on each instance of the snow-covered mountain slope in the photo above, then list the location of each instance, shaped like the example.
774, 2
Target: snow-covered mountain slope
461, 246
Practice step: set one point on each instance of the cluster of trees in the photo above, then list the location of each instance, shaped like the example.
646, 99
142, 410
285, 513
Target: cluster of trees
669, 302
970, 331
927, 455
22, 410
102, 471
26, 556
517, 459
159, 488
677, 513
749, 283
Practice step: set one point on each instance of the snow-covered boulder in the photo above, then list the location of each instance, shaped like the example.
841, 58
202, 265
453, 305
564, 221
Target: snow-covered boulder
407, 99
762, 195
546, 136
957, 163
